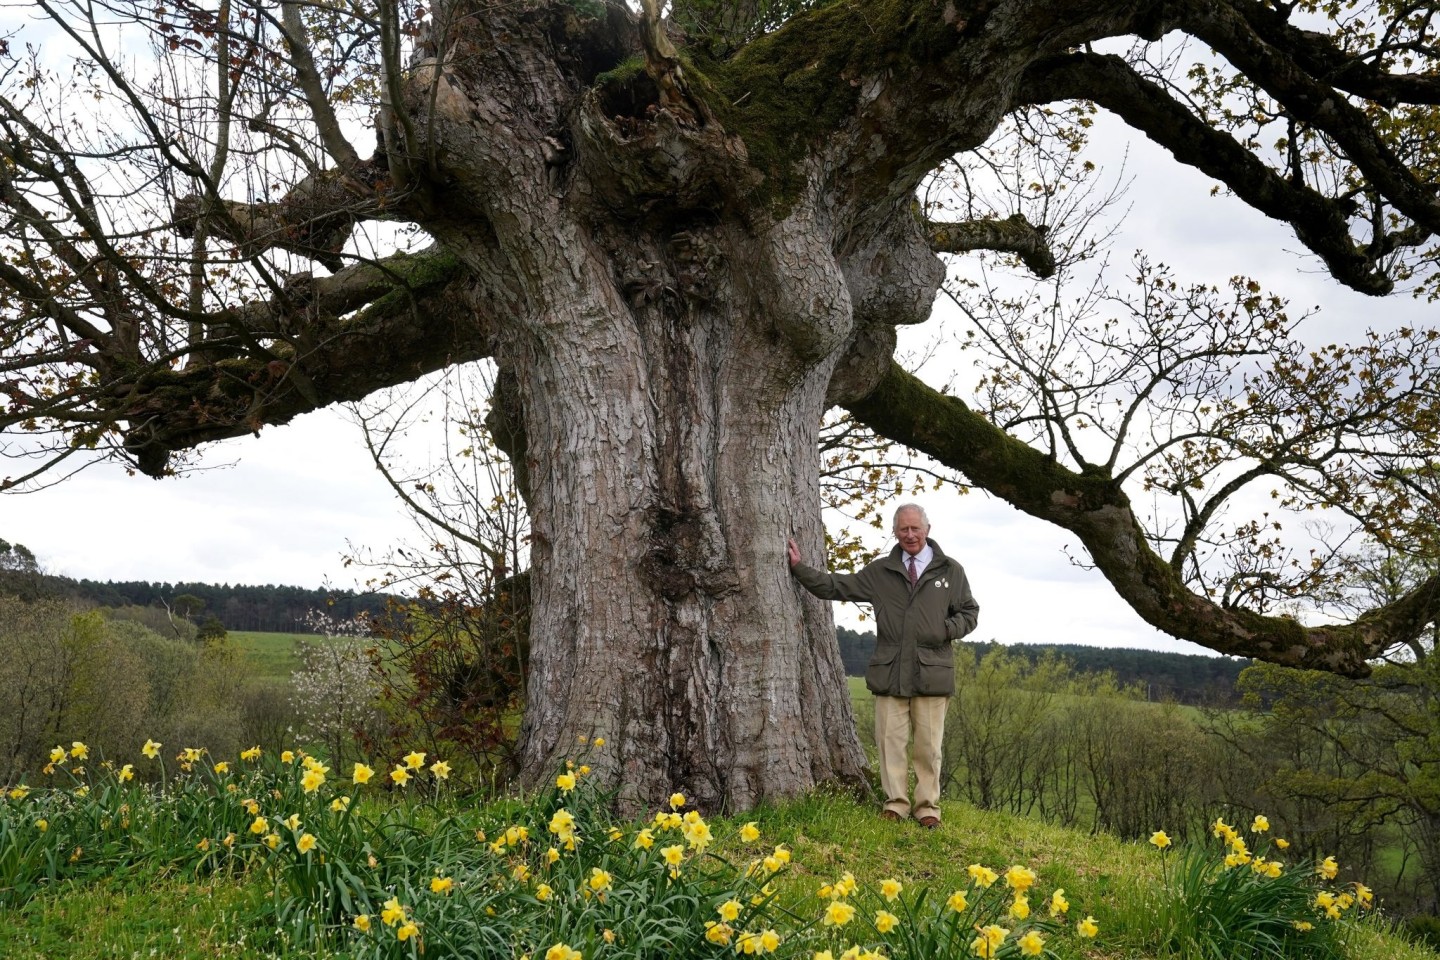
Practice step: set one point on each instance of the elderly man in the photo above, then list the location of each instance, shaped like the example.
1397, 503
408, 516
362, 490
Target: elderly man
922, 604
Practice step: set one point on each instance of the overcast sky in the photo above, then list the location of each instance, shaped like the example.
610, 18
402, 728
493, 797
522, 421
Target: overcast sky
284, 508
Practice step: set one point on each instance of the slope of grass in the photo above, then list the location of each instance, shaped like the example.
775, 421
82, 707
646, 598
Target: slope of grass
170, 911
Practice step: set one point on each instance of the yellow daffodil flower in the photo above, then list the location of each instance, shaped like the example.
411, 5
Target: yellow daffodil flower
838, 913
566, 782
151, 750
1159, 839
312, 780
677, 800
543, 892
79, 751
562, 951
287, 756
1019, 878
306, 843
885, 921
983, 876
890, 889
259, 825
750, 832
415, 759
1328, 868
729, 910
362, 923
407, 930
1058, 903
1282, 843
1020, 909
272, 840
440, 770
770, 941
989, 941
251, 754
958, 902
126, 774
599, 880
1260, 824
718, 933
392, 913
441, 884
1032, 944
1087, 928
400, 775
361, 774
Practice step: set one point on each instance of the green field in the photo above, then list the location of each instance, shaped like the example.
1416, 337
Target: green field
268, 656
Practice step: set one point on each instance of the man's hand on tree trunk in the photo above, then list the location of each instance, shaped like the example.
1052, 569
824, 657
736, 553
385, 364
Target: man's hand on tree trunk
792, 551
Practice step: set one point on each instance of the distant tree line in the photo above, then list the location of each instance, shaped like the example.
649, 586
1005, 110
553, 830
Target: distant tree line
1155, 675
270, 608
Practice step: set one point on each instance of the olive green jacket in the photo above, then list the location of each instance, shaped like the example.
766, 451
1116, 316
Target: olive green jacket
914, 649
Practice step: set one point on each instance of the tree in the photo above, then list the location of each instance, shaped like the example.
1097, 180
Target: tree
681, 241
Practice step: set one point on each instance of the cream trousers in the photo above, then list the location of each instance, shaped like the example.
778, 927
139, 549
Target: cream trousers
896, 718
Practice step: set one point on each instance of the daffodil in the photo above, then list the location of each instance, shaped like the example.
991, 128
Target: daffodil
750, 832
57, 755
440, 770
415, 759
543, 892
958, 902
551, 856
151, 750
1020, 908
1282, 843
566, 782
698, 835
769, 941
599, 741
562, 951
1019, 878
644, 839
272, 840
885, 921
392, 913
362, 923
1058, 903
441, 884
293, 821
562, 824
126, 774
838, 913
1364, 895
1160, 839
729, 910
1328, 868
1260, 824
312, 780
673, 855
677, 800
42, 825
983, 876
407, 930
259, 825
79, 751
989, 941
599, 880
19, 792
251, 754
1032, 944
400, 775
306, 843
718, 933
1087, 928
287, 756
361, 774
890, 889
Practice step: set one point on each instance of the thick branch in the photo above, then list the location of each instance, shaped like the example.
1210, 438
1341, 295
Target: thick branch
1097, 511
1014, 235
1319, 221
420, 318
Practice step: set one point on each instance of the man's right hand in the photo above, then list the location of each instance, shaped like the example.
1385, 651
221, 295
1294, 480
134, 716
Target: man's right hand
792, 551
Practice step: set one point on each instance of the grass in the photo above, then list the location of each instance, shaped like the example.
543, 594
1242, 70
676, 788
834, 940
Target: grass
270, 656
172, 912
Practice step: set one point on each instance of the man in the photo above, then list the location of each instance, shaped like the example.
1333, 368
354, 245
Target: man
922, 604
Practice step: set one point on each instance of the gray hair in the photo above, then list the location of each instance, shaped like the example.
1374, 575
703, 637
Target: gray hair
924, 517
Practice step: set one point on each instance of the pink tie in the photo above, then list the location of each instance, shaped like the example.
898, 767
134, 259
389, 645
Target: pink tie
912, 572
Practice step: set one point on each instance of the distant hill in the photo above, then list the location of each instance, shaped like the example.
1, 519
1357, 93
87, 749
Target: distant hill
1182, 677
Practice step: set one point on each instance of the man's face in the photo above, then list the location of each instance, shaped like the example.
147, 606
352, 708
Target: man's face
911, 531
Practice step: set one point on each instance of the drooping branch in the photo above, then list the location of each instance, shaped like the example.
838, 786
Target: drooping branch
1094, 508
1014, 234
1320, 222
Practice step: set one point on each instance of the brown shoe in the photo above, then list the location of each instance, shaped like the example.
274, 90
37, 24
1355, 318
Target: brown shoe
929, 823
890, 815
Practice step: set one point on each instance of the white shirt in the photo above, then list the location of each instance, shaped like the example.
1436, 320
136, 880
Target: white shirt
922, 560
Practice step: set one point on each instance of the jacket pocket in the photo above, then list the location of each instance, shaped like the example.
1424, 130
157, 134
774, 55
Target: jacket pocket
880, 674
937, 671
